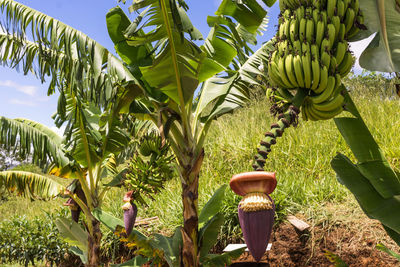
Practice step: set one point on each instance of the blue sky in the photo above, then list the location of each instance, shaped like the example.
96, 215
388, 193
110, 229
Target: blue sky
24, 96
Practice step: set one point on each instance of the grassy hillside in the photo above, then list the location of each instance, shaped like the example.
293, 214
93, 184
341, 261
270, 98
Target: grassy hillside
301, 159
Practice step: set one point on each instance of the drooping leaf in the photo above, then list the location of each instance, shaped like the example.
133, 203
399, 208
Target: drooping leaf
226, 93
371, 161
107, 219
170, 246
118, 179
73, 234
32, 138
383, 52
82, 255
36, 42
117, 24
213, 205
370, 200
208, 234
30, 185
250, 14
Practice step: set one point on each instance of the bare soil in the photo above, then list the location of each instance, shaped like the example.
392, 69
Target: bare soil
353, 241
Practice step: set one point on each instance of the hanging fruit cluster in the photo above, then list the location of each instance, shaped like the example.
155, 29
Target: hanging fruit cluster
312, 52
311, 57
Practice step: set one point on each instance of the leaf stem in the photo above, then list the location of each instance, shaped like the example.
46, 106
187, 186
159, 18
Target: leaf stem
175, 65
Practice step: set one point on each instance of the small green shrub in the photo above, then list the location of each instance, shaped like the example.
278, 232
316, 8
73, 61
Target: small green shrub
28, 241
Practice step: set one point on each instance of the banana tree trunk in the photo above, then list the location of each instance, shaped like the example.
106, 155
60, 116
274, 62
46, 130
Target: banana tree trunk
94, 244
190, 189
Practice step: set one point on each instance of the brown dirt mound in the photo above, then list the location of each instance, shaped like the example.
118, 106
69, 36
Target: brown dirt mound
291, 248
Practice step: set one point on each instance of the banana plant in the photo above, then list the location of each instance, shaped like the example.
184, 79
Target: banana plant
36, 43
89, 154
160, 66
158, 47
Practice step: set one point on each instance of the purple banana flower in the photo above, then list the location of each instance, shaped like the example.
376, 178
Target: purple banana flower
256, 211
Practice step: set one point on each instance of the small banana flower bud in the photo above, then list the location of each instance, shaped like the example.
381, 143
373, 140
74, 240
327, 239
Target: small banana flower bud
130, 212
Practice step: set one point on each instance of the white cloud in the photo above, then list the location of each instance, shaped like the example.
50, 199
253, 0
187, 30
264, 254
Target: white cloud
59, 131
358, 48
22, 102
26, 89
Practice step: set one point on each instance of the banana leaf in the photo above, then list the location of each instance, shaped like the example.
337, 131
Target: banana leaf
383, 18
372, 181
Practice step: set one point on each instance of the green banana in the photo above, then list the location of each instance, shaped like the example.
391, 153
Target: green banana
309, 116
297, 47
332, 65
316, 73
287, 14
285, 94
346, 4
320, 32
336, 22
316, 16
330, 8
315, 51
341, 48
324, 115
298, 70
340, 8
355, 4
324, 17
316, 4
286, 29
282, 73
290, 70
306, 60
331, 104
325, 46
281, 30
300, 13
353, 31
342, 32
323, 81
331, 30
325, 59
294, 30
302, 29
360, 18
310, 30
326, 93
349, 19
338, 86
309, 12
272, 72
346, 64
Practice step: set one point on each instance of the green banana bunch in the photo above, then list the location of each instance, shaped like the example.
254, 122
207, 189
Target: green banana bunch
313, 52
311, 57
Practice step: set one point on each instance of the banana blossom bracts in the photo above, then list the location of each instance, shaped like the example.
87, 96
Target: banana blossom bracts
256, 210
